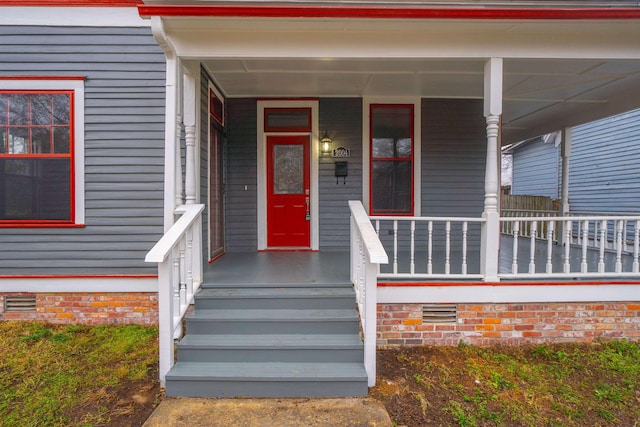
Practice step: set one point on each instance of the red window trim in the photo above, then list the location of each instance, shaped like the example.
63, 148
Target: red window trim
306, 128
67, 223
412, 159
217, 117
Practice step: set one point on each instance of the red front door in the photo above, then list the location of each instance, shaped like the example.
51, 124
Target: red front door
288, 196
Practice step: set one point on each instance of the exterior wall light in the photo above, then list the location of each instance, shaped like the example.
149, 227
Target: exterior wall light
325, 144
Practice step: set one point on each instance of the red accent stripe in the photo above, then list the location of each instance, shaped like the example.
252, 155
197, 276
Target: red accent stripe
450, 284
42, 77
380, 12
82, 276
54, 3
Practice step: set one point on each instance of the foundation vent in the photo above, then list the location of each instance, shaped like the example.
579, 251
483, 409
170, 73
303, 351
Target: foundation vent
20, 304
440, 313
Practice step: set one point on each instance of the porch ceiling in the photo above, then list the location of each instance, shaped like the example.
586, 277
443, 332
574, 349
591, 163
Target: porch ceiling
540, 95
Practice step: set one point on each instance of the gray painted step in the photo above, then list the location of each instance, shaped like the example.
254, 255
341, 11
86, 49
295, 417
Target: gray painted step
277, 321
276, 298
266, 380
312, 284
317, 348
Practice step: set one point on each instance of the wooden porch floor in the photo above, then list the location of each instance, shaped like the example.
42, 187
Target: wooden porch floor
313, 268
331, 267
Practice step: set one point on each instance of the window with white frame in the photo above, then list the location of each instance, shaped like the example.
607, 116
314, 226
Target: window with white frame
41, 152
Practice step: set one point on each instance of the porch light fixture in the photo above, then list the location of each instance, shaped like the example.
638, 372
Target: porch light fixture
325, 144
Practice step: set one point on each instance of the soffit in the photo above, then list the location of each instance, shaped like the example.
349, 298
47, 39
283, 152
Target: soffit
556, 74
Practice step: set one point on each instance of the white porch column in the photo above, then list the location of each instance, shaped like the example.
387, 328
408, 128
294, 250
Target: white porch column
172, 124
491, 214
565, 153
189, 100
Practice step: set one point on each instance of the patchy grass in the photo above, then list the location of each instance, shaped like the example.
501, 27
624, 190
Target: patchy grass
542, 385
77, 375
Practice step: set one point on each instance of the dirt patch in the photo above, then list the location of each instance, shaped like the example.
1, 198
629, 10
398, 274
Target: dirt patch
127, 404
561, 385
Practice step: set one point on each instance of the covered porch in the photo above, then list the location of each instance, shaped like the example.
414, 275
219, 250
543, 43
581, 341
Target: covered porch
444, 245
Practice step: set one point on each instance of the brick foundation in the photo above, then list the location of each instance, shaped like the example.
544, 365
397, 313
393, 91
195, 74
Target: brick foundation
90, 308
485, 324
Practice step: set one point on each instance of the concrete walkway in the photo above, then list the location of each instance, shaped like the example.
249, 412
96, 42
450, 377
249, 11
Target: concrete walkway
183, 412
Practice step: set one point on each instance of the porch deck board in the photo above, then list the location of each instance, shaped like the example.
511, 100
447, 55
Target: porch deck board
324, 268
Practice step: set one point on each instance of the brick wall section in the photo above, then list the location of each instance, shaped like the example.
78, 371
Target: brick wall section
530, 323
90, 308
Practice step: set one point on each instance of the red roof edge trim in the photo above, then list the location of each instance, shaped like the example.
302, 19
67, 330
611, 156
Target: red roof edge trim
389, 12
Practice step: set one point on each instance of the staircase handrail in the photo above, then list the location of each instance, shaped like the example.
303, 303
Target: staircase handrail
178, 254
367, 253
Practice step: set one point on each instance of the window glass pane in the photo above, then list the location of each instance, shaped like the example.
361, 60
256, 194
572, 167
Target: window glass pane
61, 109
3, 141
3, 109
61, 140
40, 140
35, 189
18, 109
391, 182
288, 119
40, 109
18, 140
288, 169
392, 131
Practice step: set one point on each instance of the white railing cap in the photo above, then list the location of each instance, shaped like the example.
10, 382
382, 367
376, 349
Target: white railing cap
374, 248
160, 251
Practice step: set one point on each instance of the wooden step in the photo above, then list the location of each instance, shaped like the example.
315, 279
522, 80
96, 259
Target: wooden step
275, 298
267, 379
319, 348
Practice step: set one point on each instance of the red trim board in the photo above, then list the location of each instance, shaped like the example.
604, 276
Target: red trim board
386, 12
523, 283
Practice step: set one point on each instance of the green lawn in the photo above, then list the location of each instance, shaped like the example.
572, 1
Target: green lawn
76, 375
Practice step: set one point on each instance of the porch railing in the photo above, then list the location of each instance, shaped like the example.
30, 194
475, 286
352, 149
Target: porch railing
178, 255
575, 246
367, 253
430, 247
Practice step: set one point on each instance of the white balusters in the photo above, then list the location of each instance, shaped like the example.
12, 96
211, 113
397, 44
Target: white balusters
447, 251
636, 245
550, 231
412, 264
532, 247
585, 240
603, 244
619, 225
465, 230
430, 249
516, 235
395, 247
567, 247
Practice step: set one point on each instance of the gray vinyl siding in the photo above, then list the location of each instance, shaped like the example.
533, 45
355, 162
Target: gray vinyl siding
342, 119
124, 149
536, 170
242, 172
454, 146
603, 170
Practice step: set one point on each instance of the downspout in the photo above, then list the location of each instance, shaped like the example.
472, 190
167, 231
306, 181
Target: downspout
171, 161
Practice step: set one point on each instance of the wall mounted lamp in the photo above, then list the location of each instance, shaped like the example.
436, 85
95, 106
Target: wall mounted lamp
325, 143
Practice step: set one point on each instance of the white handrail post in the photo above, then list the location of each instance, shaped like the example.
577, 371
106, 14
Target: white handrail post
370, 333
165, 319
491, 226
